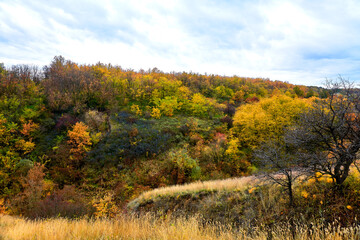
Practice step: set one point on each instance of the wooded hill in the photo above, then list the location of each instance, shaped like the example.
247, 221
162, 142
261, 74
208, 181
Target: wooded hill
85, 139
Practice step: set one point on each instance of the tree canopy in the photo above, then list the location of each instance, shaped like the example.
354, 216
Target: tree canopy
328, 133
268, 118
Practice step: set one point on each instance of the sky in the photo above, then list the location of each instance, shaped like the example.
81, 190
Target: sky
301, 42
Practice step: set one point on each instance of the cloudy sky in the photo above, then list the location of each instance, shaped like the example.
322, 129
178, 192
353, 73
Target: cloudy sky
301, 42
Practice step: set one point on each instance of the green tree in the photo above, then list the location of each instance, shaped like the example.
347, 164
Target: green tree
298, 91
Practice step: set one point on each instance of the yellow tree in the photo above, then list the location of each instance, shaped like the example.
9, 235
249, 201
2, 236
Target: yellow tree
257, 122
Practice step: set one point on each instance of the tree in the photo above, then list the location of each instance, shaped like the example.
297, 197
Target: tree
256, 123
298, 91
328, 133
280, 164
80, 142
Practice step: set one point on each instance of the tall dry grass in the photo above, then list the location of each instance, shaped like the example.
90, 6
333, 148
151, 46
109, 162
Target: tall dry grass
14, 228
231, 184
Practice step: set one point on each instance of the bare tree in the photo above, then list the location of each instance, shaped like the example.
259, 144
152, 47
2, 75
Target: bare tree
328, 134
280, 164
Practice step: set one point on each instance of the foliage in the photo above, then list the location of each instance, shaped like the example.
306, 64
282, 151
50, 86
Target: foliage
105, 206
199, 105
107, 130
329, 132
130, 141
255, 123
33, 185
79, 142
156, 113
182, 167
168, 105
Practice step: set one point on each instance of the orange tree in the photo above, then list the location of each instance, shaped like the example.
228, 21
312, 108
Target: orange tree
68, 157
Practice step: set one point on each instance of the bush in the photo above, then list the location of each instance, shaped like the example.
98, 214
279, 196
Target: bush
96, 120
67, 202
130, 141
182, 166
65, 121
228, 120
105, 206
26, 201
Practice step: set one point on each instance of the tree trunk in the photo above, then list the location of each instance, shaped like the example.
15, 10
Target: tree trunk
341, 170
290, 192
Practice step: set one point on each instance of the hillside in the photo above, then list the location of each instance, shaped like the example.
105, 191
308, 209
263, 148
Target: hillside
254, 201
85, 133
146, 148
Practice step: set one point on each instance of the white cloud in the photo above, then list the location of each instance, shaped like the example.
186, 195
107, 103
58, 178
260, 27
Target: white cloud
295, 41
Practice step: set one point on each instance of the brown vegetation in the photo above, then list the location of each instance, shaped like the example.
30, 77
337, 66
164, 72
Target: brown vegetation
149, 228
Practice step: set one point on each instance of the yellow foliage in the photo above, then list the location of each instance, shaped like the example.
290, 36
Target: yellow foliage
105, 207
305, 194
155, 113
96, 137
2, 205
311, 181
168, 105
329, 180
101, 71
233, 149
184, 92
25, 146
199, 104
135, 109
254, 123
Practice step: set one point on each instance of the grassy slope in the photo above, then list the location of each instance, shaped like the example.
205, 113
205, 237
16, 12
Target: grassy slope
248, 201
238, 201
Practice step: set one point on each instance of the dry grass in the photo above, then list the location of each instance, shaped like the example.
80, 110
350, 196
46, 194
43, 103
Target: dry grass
13, 228
231, 184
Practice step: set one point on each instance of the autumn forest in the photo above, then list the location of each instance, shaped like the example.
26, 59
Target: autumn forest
97, 141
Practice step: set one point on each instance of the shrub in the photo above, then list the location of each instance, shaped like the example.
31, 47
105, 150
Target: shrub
67, 202
228, 120
136, 110
130, 141
182, 166
155, 113
79, 141
105, 206
32, 184
65, 121
96, 120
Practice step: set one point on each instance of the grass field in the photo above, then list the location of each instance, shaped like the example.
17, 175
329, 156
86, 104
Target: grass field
14, 228
187, 226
